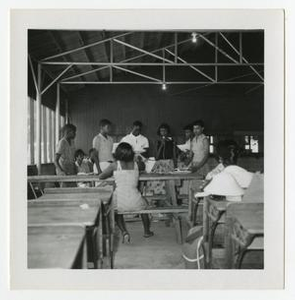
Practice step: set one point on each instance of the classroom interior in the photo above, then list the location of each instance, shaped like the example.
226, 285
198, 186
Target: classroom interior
173, 77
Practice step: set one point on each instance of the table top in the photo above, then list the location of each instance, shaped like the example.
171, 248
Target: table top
250, 216
142, 177
63, 211
53, 246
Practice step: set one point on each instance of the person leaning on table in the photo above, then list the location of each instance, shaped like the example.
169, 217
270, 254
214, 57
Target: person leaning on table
64, 160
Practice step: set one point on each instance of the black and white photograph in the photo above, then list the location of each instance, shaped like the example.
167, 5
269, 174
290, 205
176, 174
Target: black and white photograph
149, 151
145, 149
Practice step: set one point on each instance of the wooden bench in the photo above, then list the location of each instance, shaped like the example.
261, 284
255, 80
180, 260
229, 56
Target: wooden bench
173, 210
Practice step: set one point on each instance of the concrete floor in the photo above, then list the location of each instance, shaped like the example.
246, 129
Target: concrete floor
160, 251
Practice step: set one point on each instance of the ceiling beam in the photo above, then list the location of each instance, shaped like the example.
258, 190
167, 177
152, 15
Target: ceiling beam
241, 56
192, 67
172, 64
84, 47
86, 51
156, 82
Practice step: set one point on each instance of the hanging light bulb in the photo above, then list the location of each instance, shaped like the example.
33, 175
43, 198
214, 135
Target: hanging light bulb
194, 37
164, 87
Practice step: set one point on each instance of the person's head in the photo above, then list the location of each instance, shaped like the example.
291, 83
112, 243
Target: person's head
163, 130
188, 131
198, 127
227, 152
124, 152
79, 156
69, 131
105, 126
92, 152
136, 128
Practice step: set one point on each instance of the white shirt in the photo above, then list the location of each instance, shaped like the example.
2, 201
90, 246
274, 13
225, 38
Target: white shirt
138, 143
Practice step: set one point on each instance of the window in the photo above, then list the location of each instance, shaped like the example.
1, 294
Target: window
211, 143
252, 143
48, 139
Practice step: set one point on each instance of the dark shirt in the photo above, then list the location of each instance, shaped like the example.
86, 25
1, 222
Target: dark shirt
167, 150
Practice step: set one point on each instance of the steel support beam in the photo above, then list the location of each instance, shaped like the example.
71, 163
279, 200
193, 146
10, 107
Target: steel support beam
216, 57
154, 82
219, 49
192, 67
124, 61
57, 113
60, 63
136, 73
86, 46
56, 79
33, 74
143, 51
38, 119
243, 58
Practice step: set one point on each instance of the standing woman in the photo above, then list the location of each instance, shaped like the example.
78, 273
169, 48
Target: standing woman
64, 160
200, 150
166, 150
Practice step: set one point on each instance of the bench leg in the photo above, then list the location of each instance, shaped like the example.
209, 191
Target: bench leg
178, 228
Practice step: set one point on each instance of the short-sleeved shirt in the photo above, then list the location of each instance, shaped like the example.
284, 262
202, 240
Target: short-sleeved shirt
200, 148
104, 147
67, 156
139, 143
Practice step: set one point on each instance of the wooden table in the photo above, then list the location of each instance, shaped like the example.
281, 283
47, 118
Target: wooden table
56, 247
144, 177
82, 210
213, 215
244, 226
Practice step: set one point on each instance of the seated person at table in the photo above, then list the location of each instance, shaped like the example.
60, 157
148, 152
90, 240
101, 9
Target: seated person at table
165, 146
126, 195
64, 160
92, 153
103, 143
83, 167
227, 152
227, 155
82, 163
139, 143
200, 150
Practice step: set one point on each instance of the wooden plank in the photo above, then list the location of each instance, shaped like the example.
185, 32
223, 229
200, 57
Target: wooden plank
87, 178
63, 212
54, 246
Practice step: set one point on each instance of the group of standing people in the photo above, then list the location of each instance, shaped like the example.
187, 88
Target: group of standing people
125, 162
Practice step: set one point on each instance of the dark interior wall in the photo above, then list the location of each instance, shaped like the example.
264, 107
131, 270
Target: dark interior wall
222, 112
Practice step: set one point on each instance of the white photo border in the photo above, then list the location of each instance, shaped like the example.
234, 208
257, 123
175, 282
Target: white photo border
272, 22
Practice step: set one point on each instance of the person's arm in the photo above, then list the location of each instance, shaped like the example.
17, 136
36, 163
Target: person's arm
95, 158
159, 147
109, 171
174, 154
145, 147
198, 165
57, 164
60, 149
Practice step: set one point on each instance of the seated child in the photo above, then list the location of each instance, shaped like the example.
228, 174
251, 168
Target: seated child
126, 195
82, 166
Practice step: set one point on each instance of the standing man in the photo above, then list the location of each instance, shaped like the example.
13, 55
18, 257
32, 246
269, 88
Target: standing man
200, 149
139, 143
103, 144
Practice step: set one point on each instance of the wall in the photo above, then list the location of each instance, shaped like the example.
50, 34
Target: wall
222, 111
